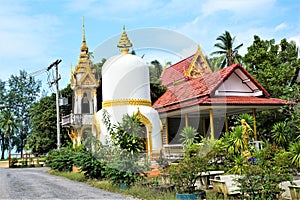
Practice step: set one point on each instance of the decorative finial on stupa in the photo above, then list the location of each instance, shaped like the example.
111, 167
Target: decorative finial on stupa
124, 42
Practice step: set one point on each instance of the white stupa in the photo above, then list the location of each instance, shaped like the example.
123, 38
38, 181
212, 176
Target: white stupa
126, 90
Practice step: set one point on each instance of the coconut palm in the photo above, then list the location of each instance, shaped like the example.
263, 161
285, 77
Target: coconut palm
229, 53
8, 126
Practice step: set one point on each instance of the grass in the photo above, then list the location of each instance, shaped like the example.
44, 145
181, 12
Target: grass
135, 191
69, 175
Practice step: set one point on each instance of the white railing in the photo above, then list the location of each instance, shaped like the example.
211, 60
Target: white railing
77, 119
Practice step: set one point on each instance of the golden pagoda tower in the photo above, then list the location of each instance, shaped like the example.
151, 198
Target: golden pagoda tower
84, 83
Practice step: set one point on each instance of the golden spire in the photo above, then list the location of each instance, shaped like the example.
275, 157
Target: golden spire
84, 48
83, 31
124, 42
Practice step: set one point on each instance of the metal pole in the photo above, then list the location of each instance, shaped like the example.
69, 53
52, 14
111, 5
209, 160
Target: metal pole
57, 78
57, 108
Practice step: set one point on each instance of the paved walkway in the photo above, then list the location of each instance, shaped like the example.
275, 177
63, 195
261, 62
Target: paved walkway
35, 183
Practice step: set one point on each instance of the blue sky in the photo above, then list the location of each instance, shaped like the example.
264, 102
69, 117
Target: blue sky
34, 33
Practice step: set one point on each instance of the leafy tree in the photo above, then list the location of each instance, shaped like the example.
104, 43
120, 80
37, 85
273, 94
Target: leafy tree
156, 90
3, 138
228, 53
43, 122
23, 91
42, 114
99, 76
275, 66
155, 71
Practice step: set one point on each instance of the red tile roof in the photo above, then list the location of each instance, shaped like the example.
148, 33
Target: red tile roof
200, 90
175, 72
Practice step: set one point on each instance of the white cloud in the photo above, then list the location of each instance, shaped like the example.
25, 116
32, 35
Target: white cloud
281, 26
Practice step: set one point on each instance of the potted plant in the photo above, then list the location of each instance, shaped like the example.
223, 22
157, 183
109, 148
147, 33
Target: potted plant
185, 174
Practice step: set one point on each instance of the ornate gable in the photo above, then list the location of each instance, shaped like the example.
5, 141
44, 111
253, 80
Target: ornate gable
88, 79
198, 66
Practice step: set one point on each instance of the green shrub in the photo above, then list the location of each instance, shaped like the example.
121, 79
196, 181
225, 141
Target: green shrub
13, 162
90, 165
122, 166
61, 160
261, 178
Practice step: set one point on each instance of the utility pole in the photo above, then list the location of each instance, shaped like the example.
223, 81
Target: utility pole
57, 78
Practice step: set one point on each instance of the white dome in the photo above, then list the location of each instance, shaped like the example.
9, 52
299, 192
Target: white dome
125, 76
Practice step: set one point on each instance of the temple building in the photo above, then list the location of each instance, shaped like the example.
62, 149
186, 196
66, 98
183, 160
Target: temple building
195, 96
203, 99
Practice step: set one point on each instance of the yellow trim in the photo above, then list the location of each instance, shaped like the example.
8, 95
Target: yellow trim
96, 123
167, 130
126, 102
203, 127
226, 123
186, 120
211, 120
254, 123
148, 125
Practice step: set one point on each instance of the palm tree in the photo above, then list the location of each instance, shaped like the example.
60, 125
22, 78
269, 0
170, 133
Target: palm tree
8, 126
229, 53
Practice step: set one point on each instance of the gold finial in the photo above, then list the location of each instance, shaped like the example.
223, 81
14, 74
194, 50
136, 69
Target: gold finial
124, 42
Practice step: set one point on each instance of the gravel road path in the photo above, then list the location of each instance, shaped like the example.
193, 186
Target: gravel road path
35, 183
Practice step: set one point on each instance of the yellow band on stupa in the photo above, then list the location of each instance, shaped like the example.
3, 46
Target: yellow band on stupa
126, 102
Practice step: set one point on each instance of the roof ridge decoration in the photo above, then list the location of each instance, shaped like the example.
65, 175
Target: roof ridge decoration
198, 66
124, 42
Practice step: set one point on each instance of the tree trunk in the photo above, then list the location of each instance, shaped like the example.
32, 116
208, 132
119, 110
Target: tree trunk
2, 146
2, 151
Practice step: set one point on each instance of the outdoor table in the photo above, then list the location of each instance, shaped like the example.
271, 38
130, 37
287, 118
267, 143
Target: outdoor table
295, 191
205, 176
